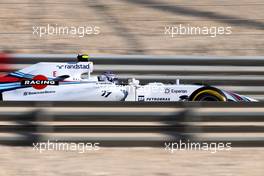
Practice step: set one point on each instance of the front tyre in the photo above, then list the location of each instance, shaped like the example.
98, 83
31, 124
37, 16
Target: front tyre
208, 94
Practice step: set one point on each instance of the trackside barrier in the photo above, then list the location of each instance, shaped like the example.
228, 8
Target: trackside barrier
121, 124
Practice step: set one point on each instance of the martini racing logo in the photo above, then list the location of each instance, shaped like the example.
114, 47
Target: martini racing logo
73, 66
39, 82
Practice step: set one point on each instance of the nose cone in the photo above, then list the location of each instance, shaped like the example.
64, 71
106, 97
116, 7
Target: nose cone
250, 99
238, 98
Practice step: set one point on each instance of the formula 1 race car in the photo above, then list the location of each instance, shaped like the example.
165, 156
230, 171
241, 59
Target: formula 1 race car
50, 81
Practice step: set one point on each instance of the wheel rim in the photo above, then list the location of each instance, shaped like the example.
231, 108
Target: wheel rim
208, 98
209, 95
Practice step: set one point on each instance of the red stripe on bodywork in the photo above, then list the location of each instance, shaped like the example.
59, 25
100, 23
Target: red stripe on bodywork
9, 79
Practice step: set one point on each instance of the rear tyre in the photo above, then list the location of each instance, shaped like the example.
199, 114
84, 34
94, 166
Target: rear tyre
208, 94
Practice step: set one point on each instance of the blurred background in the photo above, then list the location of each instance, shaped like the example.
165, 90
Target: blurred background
133, 26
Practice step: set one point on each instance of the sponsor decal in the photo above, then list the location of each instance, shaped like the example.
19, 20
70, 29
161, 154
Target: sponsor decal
158, 99
175, 91
38, 93
141, 98
54, 73
106, 93
39, 82
73, 66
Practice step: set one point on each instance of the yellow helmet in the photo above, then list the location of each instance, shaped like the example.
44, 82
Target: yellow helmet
83, 57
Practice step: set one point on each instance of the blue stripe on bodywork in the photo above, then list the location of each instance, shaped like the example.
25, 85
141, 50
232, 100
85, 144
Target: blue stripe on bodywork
10, 84
8, 87
24, 75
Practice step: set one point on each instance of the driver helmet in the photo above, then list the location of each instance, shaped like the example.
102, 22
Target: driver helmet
111, 77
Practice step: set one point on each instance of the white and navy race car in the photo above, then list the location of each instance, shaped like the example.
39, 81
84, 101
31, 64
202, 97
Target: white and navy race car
50, 81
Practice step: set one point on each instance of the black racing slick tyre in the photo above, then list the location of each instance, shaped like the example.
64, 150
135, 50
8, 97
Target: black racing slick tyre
1, 97
208, 94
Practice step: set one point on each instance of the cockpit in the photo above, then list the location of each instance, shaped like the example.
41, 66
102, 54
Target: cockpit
108, 77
